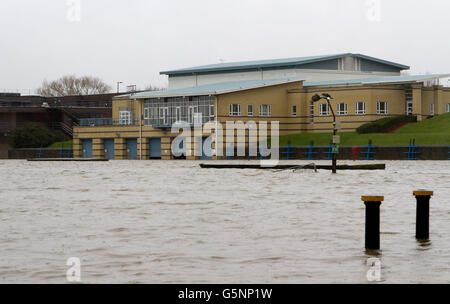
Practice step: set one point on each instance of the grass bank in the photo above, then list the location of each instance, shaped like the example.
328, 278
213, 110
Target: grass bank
65, 144
434, 131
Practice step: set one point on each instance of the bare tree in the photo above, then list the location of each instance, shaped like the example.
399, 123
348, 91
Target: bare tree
73, 85
155, 88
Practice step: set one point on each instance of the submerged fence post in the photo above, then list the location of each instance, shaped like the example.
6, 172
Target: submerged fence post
373, 204
423, 214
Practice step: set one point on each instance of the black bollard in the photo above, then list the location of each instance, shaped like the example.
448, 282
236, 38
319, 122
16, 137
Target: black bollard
373, 204
423, 214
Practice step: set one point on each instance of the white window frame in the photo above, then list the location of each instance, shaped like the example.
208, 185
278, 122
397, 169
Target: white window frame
250, 110
163, 115
192, 110
432, 109
211, 112
447, 108
125, 118
339, 111
237, 111
198, 118
177, 114
409, 108
323, 106
146, 113
357, 110
386, 109
294, 110
265, 110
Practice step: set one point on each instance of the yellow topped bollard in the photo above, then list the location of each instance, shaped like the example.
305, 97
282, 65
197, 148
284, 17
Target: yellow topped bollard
423, 213
373, 203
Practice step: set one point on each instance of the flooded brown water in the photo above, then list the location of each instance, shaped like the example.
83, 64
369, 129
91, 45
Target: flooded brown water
172, 222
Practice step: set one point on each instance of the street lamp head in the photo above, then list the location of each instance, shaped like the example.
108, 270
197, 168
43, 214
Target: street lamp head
326, 96
316, 98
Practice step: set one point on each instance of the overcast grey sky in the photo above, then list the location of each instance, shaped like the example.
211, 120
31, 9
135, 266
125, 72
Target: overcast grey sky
131, 41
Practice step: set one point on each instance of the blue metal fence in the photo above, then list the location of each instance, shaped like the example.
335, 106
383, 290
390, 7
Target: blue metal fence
287, 153
370, 153
311, 153
412, 152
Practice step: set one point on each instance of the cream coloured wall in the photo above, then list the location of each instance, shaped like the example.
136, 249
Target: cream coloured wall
305, 74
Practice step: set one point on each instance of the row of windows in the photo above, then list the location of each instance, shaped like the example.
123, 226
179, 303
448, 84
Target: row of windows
360, 108
163, 114
265, 110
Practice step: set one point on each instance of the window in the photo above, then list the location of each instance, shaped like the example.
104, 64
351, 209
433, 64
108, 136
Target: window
198, 119
382, 107
294, 111
146, 113
192, 112
311, 112
163, 113
235, 110
360, 108
265, 110
432, 109
341, 108
409, 108
323, 109
447, 108
211, 112
177, 114
250, 110
125, 118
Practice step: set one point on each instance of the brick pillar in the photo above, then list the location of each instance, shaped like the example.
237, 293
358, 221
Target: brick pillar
98, 148
145, 148
439, 105
77, 148
120, 149
417, 101
191, 145
166, 148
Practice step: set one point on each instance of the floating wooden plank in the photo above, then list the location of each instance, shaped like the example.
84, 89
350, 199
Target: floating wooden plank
287, 167
69, 159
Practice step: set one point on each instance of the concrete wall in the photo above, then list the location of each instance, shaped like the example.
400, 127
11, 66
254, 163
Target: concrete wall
33, 153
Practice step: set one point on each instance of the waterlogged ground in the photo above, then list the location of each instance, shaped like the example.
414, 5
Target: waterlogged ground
172, 222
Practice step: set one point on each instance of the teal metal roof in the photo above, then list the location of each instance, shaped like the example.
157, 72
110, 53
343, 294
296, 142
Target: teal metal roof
214, 89
274, 63
378, 80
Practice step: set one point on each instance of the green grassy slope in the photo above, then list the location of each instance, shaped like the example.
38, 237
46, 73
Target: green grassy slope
65, 144
435, 131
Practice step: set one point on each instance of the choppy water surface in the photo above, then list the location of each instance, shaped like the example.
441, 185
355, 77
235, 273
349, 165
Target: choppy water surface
172, 222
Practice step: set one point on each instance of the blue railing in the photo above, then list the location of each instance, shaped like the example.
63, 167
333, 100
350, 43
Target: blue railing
412, 150
370, 153
96, 122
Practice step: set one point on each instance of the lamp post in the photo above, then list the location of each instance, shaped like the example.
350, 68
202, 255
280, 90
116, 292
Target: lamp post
335, 149
118, 86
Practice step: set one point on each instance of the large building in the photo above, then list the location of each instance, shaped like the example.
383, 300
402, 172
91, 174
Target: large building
364, 89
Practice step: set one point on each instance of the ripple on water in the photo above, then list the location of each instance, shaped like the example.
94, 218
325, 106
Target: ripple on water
157, 222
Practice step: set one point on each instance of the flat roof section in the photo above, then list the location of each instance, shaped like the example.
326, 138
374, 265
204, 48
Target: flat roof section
214, 89
274, 64
378, 80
